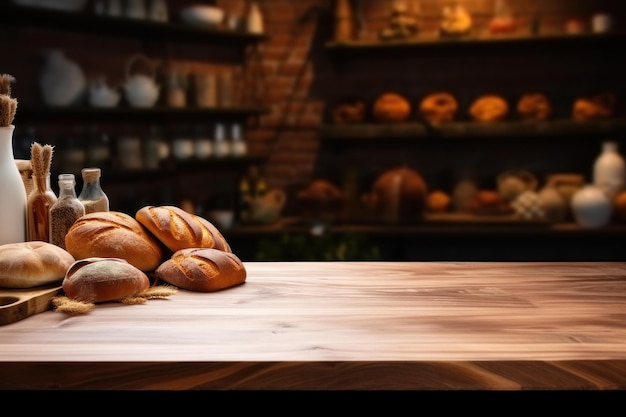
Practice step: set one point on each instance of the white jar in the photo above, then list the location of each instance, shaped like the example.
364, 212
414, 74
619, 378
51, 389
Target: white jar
183, 148
609, 170
591, 207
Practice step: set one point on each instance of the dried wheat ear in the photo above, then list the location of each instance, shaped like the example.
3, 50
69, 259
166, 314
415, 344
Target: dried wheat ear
8, 105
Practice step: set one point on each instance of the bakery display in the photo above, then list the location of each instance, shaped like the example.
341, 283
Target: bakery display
534, 107
391, 107
456, 21
202, 269
114, 234
489, 108
439, 107
32, 264
178, 229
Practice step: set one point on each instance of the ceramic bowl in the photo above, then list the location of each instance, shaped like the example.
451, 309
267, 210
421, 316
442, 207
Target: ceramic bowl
202, 15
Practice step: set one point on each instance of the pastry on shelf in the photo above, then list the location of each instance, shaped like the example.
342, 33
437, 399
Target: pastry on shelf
349, 111
600, 106
438, 108
321, 200
456, 21
391, 107
489, 108
534, 107
489, 202
403, 22
438, 201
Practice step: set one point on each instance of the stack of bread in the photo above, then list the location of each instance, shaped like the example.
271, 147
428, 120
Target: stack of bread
110, 256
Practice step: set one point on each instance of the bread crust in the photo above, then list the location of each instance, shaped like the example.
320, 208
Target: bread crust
32, 264
178, 229
112, 234
103, 279
202, 269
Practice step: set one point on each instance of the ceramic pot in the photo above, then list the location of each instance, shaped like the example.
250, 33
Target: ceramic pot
62, 81
591, 207
554, 206
141, 90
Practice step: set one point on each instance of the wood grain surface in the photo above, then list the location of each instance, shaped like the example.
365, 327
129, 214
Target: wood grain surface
344, 325
18, 303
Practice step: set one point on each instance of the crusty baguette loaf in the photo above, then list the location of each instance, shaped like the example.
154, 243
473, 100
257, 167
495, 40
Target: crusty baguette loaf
178, 229
202, 269
112, 234
31, 264
96, 280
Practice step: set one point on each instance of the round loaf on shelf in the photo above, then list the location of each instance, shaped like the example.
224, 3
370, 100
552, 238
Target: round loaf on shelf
112, 234
178, 229
96, 280
391, 107
32, 264
534, 106
202, 269
438, 107
489, 108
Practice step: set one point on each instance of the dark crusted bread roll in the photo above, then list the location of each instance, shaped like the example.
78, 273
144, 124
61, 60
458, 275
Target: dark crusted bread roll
202, 269
96, 280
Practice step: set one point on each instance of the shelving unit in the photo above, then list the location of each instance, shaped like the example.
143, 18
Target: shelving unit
234, 47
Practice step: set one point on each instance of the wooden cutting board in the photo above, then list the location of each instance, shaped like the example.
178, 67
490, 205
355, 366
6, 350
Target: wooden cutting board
17, 304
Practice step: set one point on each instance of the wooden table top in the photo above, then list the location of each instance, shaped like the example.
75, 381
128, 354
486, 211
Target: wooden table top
343, 325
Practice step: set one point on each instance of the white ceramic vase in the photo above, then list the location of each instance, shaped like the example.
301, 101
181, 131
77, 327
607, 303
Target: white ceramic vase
62, 81
609, 170
12, 192
591, 207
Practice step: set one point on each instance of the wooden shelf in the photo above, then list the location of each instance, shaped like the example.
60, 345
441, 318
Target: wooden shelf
174, 168
84, 22
27, 114
352, 48
455, 130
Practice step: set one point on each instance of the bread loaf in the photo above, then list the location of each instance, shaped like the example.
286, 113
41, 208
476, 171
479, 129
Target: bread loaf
202, 269
96, 280
112, 234
178, 229
31, 264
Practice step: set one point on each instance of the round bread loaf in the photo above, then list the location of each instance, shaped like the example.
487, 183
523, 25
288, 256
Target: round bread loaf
489, 108
103, 279
112, 234
202, 269
438, 107
178, 229
31, 264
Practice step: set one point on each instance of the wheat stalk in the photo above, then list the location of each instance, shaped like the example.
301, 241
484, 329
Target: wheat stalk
8, 105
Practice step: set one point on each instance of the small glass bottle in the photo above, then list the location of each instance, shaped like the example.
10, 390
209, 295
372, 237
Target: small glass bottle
39, 202
221, 147
237, 142
92, 196
65, 211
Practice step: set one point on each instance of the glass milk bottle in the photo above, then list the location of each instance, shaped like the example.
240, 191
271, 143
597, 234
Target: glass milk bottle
65, 211
92, 196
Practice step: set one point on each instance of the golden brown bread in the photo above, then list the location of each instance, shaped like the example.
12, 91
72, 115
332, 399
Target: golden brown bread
438, 107
31, 264
112, 234
178, 229
202, 269
103, 279
534, 106
489, 108
391, 107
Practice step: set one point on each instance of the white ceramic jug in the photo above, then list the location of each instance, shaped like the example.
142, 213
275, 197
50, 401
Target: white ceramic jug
141, 90
62, 81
